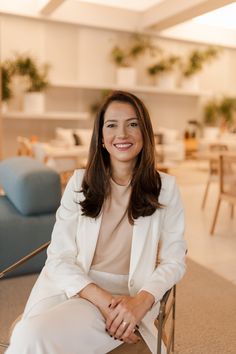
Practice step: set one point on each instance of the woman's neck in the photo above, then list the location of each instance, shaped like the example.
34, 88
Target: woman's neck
122, 174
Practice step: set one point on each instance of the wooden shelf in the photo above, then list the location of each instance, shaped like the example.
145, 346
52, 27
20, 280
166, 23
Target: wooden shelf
141, 89
47, 115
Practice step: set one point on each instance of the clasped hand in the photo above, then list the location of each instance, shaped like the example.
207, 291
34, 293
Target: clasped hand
123, 318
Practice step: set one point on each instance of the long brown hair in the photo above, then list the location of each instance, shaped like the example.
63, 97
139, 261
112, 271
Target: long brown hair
145, 182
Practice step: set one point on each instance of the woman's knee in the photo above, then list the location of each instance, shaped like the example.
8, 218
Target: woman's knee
29, 331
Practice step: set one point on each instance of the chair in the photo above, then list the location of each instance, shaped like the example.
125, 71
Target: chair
227, 190
32, 194
167, 308
213, 169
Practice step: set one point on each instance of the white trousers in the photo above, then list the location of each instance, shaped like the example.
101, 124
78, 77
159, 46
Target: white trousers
58, 325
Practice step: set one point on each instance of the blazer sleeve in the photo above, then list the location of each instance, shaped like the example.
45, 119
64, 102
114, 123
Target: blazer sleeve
61, 266
172, 247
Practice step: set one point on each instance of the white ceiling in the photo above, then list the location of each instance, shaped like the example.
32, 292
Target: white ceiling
183, 19
135, 5
224, 17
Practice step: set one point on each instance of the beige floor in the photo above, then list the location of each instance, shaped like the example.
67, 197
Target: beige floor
218, 252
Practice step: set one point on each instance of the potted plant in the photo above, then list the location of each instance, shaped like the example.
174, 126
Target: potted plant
211, 119
163, 71
219, 114
5, 88
194, 64
124, 58
37, 81
226, 109
23, 71
125, 73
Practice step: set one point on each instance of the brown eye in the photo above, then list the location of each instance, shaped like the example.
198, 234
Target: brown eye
134, 124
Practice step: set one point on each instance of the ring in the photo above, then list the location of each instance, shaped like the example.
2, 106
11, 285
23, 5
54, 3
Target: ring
124, 323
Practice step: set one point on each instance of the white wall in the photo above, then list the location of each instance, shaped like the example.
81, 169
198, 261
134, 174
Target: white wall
80, 53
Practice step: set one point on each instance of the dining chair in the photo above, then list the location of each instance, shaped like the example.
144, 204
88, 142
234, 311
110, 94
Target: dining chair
227, 184
165, 319
213, 175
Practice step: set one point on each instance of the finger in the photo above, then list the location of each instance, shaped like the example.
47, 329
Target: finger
129, 331
115, 325
133, 338
114, 302
121, 329
110, 318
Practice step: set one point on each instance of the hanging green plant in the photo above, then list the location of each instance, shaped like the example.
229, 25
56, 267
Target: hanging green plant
139, 45
211, 113
5, 81
196, 60
25, 66
220, 111
227, 108
165, 64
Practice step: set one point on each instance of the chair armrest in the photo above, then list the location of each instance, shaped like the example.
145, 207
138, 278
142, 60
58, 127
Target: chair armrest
24, 259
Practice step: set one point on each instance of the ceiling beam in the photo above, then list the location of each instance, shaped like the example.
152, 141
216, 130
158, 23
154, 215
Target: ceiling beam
51, 6
100, 16
170, 13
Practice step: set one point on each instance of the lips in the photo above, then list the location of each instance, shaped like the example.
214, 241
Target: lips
123, 146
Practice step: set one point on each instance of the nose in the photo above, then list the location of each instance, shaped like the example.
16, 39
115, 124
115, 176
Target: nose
122, 132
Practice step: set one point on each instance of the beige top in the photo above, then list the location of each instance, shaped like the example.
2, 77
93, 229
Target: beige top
112, 254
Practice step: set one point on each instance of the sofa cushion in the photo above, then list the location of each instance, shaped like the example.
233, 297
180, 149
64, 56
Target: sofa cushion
65, 136
20, 235
32, 187
84, 135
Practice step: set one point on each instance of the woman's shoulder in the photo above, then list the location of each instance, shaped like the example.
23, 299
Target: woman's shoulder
79, 175
168, 187
75, 182
167, 179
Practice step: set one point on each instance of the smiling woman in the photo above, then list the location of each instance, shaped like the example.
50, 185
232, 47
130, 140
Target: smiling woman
122, 137
101, 275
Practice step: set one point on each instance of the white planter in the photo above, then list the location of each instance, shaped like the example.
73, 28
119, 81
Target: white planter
166, 81
126, 76
190, 83
34, 102
4, 107
211, 133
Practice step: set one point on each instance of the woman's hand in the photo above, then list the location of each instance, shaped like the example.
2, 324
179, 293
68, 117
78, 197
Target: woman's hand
101, 299
126, 313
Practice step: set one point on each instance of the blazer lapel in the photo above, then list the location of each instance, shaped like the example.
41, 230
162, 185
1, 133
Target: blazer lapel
89, 231
140, 231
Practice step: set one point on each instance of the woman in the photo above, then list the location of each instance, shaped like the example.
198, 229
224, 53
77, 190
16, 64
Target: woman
100, 282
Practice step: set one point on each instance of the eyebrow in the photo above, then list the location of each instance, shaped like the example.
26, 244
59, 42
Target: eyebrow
116, 120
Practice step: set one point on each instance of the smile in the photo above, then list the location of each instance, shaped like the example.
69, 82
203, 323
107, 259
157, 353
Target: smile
123, 147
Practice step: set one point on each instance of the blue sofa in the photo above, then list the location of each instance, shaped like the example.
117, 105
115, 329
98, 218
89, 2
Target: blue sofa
32, 194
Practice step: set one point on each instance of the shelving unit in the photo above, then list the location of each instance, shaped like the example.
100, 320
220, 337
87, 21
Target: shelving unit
48, 115
138, 88
80, 69
78, 116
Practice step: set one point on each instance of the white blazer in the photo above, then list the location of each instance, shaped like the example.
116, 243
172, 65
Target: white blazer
73, 244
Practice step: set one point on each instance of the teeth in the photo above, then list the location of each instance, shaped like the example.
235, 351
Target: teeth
122, 145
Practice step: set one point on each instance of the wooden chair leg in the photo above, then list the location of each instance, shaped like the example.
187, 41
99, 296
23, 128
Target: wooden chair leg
215, 217
205, 194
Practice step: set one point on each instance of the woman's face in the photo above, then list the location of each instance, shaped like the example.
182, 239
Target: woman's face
121, 131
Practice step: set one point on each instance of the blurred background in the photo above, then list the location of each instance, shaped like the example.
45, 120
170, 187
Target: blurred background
60, 58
